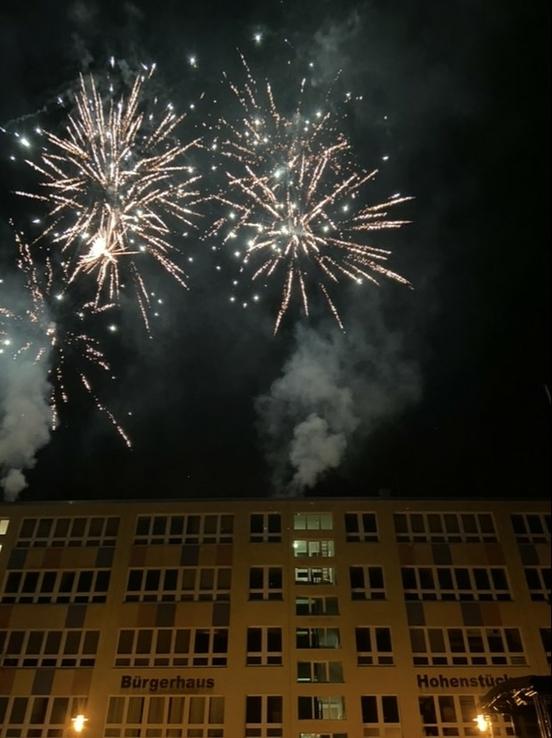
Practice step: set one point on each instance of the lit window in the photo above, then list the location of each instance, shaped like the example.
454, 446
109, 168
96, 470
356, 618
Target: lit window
321, 708
317, 638
315, 575
320, 671
313, 521
313, 549
316, 606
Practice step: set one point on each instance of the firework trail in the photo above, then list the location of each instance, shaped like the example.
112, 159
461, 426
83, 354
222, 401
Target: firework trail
112, 183
292, 200
30, 335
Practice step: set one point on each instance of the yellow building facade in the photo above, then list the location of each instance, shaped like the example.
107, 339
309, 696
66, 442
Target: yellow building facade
268, 618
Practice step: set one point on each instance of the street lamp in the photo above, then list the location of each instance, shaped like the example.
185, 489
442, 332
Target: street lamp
483, 723
78, 723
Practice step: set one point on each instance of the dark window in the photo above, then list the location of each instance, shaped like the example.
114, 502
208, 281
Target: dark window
383, 639
254, 710
390, 709
274, 639
254, 639
369, 710
134, 580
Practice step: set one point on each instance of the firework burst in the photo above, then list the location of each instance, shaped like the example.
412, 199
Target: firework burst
31, 331
292, 203
112, 183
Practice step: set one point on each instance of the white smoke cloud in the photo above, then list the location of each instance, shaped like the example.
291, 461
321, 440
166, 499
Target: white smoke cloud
313, 449
334, 388
25, 416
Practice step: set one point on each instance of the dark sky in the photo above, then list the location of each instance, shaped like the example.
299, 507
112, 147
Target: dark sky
457, 93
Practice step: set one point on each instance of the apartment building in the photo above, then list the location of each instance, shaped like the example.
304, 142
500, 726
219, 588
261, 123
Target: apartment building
269, 618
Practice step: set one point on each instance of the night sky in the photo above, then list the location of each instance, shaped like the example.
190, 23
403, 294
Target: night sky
449, 381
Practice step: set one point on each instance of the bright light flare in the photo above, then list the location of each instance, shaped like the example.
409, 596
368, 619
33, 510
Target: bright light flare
483, 723
79, 723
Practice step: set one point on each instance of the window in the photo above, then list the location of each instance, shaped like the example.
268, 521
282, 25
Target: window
265, 583
313, 521
467, 647
265, 528
264, 647
373, 646
319, 671
538, 581
444, 527
263, 716
317, 638
4, 522
61, 532
315, 575
184, 584
321, 708
179, 529
316, 606
546, 639
379, 712
172, 647
455, 583
39, 717
322, 735
361, 527
313, 549
48, 648
366, 583
454, 715
55, 586
165, 715
531, 527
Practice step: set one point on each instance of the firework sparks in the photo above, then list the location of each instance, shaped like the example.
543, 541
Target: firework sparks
111, 184
31, 331
292, 200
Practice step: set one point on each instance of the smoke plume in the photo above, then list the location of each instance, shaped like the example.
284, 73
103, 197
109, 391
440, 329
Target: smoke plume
25, 416
334, 390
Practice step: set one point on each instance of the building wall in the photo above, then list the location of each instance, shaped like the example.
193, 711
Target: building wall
488, 598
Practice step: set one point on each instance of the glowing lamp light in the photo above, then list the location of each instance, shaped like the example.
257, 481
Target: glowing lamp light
79, 723
482, 722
